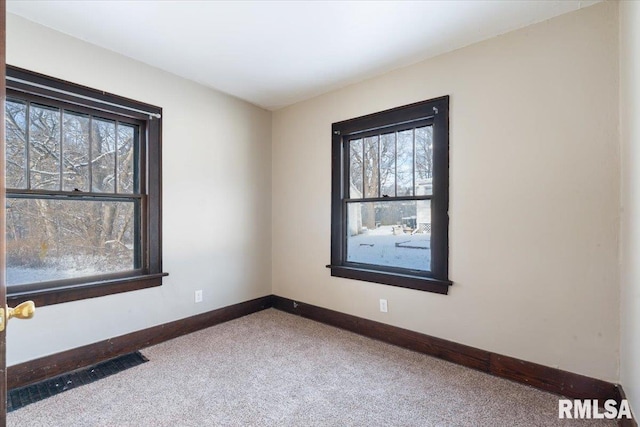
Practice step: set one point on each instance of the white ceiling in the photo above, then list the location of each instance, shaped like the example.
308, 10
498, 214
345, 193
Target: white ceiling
276, 53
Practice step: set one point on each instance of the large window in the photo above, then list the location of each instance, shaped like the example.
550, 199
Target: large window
390, 197
82, 181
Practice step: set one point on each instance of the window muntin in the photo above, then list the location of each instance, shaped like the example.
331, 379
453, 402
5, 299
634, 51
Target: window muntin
390, 197
40, 135
83, 177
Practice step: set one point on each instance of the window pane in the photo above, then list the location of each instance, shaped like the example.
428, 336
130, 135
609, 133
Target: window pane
75, 152
44, 147
16, 142
391, 234
405, 163
388, 164
371, 171
424, 161
103, 161
60, 239
355, 169
127, 135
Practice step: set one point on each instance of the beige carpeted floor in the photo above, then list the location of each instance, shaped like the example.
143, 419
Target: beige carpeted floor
275, 369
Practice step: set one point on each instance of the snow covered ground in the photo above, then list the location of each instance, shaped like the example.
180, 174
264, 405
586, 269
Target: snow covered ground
381, 247
65, 267
21, 275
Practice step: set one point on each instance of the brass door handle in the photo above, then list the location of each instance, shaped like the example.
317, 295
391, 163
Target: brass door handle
25, 310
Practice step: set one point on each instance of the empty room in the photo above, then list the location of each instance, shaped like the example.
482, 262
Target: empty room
320, 213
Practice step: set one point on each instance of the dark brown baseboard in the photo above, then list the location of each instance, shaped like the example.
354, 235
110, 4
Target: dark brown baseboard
71, 360
542, 377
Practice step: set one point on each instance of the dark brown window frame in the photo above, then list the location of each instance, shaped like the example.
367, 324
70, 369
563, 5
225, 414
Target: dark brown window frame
436, 113
31, 86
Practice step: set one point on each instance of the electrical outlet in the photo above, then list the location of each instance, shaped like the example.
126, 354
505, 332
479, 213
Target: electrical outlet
198, 296
383, 305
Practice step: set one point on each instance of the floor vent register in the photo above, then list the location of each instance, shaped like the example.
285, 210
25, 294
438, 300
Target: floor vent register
23, 396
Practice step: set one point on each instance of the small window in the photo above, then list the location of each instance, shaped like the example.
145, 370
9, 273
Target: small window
390, 192
82, 191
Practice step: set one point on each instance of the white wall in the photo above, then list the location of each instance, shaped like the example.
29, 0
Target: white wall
216, 199
534, 195
630, 201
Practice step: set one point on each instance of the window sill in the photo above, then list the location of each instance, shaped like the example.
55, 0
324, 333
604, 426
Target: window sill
419, 283
60, 294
